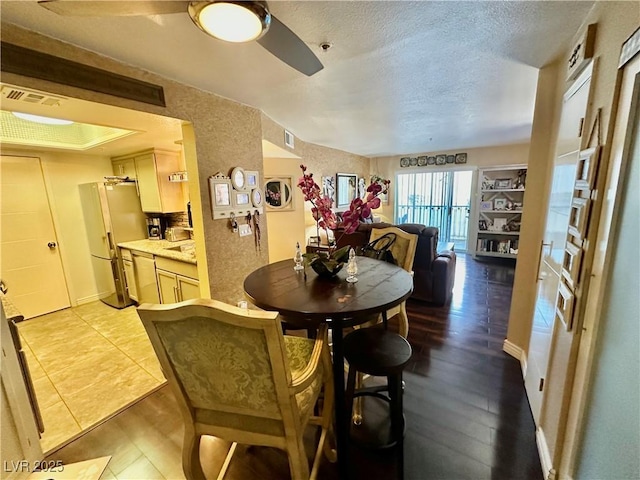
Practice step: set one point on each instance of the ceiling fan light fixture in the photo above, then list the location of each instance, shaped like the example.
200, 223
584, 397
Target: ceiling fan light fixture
231, 21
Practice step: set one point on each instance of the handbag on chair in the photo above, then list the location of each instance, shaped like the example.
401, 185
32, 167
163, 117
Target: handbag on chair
380, 248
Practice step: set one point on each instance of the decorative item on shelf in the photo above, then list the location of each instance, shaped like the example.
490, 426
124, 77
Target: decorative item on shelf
298, 258
521, 180
499, 224
413, 161
178, 177
512, 226
451, 159
405, 162
488, 184
486, 205
502, 183
422, 161
431, 160
500, 204
441, 159
352, 267
330, 262
482, 225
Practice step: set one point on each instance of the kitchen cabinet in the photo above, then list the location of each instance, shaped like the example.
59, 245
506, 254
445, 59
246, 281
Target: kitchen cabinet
499, 211
152, 171
177, 281
125, 168
129, 274
144, 268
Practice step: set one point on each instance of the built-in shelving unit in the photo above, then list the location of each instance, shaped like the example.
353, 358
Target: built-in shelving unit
499, 211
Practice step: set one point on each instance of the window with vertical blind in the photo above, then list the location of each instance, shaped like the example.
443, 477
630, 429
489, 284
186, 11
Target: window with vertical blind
436, 199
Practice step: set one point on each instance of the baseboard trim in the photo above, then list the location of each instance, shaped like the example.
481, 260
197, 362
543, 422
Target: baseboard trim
517, 353
89, 299
545, 457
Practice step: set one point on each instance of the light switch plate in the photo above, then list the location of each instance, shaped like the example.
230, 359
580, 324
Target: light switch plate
245, 230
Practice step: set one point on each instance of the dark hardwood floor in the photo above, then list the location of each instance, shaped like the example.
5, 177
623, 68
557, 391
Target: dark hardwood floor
467, 414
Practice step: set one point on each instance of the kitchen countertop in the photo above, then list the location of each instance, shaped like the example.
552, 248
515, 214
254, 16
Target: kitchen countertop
159, 249
10, 311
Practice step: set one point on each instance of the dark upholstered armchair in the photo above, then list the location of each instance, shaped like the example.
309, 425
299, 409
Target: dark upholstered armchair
434, 272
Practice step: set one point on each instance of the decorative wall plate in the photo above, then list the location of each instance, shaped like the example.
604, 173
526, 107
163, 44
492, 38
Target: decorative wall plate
405, 161
441, 159
431, 160
451, 159
422, 161
461, 158
413, 161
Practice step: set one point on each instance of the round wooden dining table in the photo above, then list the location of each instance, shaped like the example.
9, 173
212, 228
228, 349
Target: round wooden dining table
306, 300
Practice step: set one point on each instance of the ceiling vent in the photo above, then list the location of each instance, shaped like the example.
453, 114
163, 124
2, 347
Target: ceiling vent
27, 96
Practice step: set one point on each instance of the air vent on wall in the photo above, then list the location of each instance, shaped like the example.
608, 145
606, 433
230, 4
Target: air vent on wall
27, 96
288, 139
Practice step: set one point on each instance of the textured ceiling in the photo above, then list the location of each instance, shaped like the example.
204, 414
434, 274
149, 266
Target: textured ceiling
400, 78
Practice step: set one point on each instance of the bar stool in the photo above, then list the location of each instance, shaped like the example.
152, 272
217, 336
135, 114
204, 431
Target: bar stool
382, 353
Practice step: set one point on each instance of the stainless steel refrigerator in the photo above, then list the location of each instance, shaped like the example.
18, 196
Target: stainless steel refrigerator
112, 215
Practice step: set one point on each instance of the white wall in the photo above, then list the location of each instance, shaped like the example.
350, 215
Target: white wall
63, 172
611, 438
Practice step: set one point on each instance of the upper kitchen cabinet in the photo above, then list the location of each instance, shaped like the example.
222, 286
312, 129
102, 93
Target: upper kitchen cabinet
125, 168
151, 169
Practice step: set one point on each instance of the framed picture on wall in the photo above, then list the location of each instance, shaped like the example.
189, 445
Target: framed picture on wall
252, 179
220, 190
241, 199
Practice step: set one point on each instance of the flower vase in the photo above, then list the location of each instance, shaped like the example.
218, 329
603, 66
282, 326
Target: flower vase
327, 265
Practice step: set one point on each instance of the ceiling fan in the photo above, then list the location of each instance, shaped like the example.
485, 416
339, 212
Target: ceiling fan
229, 20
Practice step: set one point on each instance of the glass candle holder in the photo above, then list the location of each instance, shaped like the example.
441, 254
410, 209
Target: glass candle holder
298, 259
352, 267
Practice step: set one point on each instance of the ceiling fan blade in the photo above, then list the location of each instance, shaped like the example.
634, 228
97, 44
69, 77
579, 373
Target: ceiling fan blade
82, 8
289, 48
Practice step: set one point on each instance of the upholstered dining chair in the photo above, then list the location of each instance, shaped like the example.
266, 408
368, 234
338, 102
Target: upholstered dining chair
237, 377
404, 252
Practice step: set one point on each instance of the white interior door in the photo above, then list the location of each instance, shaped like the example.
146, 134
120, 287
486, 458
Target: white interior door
30, 261
552, 249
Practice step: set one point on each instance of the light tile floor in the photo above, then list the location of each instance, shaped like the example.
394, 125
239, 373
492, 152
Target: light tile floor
87, 363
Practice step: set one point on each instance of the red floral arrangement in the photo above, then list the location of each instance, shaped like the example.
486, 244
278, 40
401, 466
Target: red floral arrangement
325, 217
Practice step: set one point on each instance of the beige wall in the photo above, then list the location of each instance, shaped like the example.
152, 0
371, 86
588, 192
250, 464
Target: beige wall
285, 227
388, 167
63, 172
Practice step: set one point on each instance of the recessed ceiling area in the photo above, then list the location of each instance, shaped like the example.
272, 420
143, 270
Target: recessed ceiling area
74, 136
98, 129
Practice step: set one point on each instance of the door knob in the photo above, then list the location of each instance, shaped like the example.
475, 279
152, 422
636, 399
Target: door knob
52, 245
